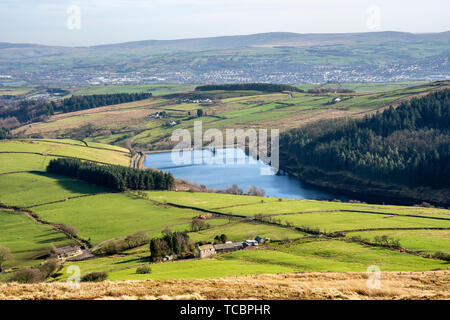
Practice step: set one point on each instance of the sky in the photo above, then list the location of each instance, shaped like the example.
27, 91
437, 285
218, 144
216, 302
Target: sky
91, 22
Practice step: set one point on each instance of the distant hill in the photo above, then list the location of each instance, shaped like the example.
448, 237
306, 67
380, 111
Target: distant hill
266, 57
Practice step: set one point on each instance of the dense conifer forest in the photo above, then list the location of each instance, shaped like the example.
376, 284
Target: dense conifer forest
114, 177
30, 110
408, 145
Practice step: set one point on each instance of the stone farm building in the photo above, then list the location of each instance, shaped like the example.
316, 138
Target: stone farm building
67, 252
204, 251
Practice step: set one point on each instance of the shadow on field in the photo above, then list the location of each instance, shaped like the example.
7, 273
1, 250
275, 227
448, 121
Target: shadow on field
137, 260
73, 185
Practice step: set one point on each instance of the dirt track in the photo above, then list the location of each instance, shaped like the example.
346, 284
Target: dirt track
394, 285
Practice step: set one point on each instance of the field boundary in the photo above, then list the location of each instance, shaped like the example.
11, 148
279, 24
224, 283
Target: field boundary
357, 211
33, 216
56, 156
85, 144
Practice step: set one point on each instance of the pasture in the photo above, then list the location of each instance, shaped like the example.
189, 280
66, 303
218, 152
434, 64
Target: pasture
426, 241
27, 239
34, 188
66, 148
239, 231
108, 216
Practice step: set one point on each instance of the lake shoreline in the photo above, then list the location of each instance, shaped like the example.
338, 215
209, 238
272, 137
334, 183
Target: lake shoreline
373, 195
235, 168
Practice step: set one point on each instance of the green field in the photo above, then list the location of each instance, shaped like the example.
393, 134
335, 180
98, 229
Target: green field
204, 200
14, 162
65, 149
427, 241
343, 221
30, 189
113, 215
26, 239
246, 230
248, 206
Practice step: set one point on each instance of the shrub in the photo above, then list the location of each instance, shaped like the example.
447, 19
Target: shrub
49, 267
198, 225
27, 275
94, 277
72, 231
146, 269
442, 256
5, 254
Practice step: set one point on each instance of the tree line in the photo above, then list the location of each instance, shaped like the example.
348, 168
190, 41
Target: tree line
329, 90
409, 145
265, 87
175, 243
112, 176
31, 110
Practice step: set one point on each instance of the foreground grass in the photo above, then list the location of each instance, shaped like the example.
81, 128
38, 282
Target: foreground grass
394, 285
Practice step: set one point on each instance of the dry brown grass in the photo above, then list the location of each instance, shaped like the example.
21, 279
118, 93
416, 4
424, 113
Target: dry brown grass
394, 285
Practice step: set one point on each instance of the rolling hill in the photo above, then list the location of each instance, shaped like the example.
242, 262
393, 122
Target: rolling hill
271, 57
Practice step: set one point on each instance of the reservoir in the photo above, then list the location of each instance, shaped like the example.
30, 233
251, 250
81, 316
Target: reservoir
221, 169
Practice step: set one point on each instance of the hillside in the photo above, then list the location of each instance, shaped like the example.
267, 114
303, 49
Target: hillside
129, 123
271, 57
405, 146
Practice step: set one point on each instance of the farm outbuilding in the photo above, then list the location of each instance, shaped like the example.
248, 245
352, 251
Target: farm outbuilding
66, 252
228, 247
204, 251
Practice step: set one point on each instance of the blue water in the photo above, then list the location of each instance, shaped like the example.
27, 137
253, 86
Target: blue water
226, 167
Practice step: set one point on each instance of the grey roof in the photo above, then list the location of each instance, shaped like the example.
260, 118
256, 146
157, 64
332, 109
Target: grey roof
67, 249
225, 246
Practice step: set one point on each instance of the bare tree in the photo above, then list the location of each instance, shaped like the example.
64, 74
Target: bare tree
5, 255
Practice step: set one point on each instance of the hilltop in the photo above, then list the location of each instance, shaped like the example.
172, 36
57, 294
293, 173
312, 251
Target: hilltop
288, 58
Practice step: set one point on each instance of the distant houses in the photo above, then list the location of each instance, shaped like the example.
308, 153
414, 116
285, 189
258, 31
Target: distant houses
157, 115
203, 101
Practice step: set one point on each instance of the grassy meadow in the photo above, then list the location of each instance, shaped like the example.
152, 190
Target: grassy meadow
27, 239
